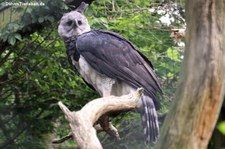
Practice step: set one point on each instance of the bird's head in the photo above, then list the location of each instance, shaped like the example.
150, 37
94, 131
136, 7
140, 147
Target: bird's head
74, 23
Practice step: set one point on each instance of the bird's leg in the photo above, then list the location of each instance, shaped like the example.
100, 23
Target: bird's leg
105, 124
108, 126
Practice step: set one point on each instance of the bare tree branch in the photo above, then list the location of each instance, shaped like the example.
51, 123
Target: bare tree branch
61, 140
81, 122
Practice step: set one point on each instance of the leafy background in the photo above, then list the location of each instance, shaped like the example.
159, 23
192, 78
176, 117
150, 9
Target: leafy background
35, 74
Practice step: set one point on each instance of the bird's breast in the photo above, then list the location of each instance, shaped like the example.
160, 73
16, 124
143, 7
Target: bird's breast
99, 81
103, 84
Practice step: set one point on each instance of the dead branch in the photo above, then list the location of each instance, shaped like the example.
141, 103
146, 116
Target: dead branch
58, 141
81, 122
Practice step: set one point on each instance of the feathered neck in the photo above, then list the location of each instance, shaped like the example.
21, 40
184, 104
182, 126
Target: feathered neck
68, 40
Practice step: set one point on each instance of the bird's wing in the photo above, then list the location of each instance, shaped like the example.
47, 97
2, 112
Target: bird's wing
114, 56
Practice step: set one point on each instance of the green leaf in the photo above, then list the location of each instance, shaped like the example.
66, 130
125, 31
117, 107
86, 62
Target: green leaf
2, 71
173, 54
49, 18
41, 20
12, 40
221, 127
13, 26
170, 75
18, 36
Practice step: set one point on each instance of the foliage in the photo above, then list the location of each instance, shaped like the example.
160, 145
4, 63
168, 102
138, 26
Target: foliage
221, 127
44, 14
35, 74
37, 77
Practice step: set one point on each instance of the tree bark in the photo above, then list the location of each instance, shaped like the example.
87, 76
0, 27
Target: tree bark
199, 96
81, 122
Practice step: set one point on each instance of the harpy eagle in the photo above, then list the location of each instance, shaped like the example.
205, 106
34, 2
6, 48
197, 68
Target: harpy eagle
111, 65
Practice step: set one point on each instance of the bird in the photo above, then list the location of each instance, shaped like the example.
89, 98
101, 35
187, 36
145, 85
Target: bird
111, 65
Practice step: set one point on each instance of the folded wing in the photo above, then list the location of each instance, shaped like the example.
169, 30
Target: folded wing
114, 56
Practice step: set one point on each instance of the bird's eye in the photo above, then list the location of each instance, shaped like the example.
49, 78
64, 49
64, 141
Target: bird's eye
79, 22
69, 23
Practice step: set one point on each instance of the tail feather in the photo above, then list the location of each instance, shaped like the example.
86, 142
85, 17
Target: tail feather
149, 119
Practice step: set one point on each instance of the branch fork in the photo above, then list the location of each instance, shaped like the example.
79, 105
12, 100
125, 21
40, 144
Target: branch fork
81, 122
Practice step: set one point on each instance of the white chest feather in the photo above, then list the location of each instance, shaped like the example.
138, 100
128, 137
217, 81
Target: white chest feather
104, 85
99, 81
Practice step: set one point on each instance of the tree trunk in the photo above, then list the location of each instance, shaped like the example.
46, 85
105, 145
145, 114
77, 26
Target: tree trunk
218, 139
199, 96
